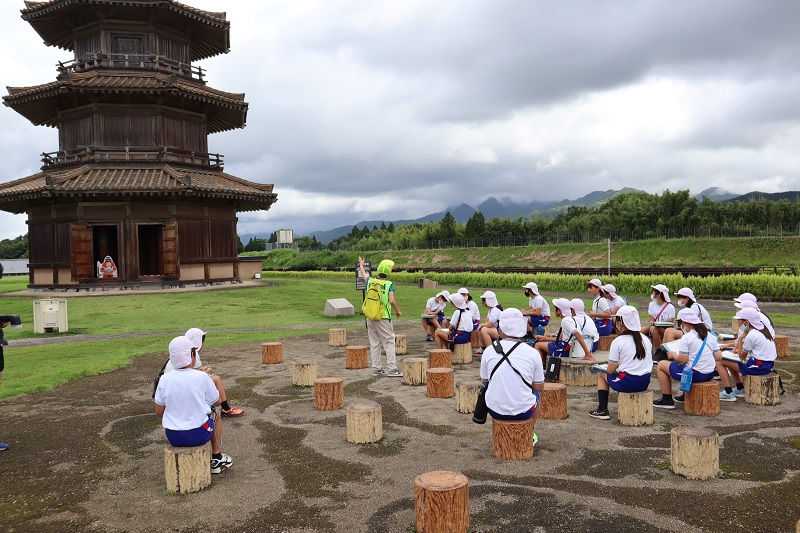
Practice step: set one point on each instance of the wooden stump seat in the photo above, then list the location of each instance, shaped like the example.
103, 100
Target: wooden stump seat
703, 399
187, 469
577, 372
440, 382
462, 354
782, 345
604, 343
364, 422
635, 408
304, 372
355, 357
337, 337
400, 346
440, 358
271, 353
694, 452
512, 440
415, 371
554, 402
762, 390
441, 502
467, 395
328, 394
475, 340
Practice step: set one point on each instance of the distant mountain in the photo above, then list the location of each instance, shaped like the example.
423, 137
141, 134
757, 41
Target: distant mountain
716, 194
792, 196
507, 208
593, 199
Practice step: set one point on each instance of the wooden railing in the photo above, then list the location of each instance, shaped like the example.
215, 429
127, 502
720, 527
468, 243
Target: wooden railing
132, 62
131, 153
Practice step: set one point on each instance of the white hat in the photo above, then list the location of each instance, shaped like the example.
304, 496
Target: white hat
686, 292
747, 303
752, 316
180, 352
444, 294
662, 289
689, 316
578, 306
196, 336
490, 297
746, 296
463, 290
610, 289
458, 301
532, 286
564, 305
596, 282
630, 317
513, 323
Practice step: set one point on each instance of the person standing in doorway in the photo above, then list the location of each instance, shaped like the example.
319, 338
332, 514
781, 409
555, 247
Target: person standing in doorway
381, 332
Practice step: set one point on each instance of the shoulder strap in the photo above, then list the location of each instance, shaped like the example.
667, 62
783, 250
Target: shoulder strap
499, 349
662, 310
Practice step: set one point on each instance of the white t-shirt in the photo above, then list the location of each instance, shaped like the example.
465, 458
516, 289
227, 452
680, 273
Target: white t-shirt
690, 344
571, 324
601, 305
494, 316
434, 306
654, 310
197, 364
186, 394
589, 329
758, 346
618, 301
507, 394
474, 311
702, 312
538, 302
623, 352
464, 320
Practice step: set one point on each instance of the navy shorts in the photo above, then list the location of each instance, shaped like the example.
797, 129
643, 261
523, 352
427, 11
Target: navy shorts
629, 382
539, 321
676, 368
440, 318
604, 326
755, 367
191, 437
462, 337
522, 416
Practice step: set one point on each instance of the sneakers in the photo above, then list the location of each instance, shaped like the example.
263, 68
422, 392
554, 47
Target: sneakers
220, 465
232, 412
393, 373
378, 372
429, 338
678, 399
664, 403
478, 352
739, 393
727, 396
535, 439
602, 414
3, 446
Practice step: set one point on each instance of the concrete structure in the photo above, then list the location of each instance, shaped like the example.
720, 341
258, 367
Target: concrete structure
338, 307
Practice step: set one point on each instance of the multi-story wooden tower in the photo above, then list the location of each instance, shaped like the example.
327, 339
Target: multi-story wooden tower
132, 198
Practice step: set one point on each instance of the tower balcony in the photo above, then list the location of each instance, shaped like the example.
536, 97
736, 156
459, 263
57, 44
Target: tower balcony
131, 62
131, 154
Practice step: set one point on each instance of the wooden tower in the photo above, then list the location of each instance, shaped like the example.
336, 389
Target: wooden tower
132, 198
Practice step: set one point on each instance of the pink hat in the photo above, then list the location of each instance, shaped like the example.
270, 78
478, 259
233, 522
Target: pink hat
689, 316
564, 305
686, 292
750, 315
578, 306
630, 317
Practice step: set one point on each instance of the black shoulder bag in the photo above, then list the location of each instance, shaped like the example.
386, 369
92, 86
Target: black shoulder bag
158, 378
481, 410
452, 344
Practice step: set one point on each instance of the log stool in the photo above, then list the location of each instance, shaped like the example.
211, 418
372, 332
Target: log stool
635, 408
467, 395
577, 372
762, 390
304, 372
440, 358
415, 371
441, 502
512, 440
475, 339
554, 402
337, 337
271, 353
400, 344
604, 344
782, 345
364, 422
355, 357
187, 469
440, 382
328, 394
694, 452
462, 354
703, 399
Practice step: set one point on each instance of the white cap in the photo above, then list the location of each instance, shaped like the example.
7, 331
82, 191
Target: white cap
689, 316
596, 282
458, 301
578, 306
746, 296
747, 303
490, 297
662, 289
752, 316
564, 305
532, 286
180, 352
196, 336
463, 290
444, 294
686, 292
610, 289
630, 317
513, 323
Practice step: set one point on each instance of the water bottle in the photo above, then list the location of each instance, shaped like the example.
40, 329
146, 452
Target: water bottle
540, 330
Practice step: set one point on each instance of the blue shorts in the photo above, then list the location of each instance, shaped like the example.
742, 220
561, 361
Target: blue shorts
628, 382
462, 337
191, 437
539, 321
604, 326
440, 318
676, 368
755, 367
553, 346
522, 416
595, 344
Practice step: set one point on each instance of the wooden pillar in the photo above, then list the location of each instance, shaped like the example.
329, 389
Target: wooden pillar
604, 344
304, 373
577, 372
187, 469
762, 390
512, 440
271, 353
635, 408
554, 402
441, 502
694, 452
467, 395
355, 357
415, 371
703, 399
364, 422
440, 382
440, 358
400, 344
782, 345
328, 394
337, 337
462, 354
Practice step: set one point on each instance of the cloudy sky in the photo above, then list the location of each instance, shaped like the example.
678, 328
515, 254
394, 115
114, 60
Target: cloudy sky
367, 109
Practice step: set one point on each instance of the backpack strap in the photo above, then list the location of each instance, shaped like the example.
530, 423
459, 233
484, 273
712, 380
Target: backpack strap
499, 349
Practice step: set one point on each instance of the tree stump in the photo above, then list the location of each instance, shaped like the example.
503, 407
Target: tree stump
762, 390
475, 339
577, 372
187, 469
415, 371
635, 408
694, 452
512, 440
554, 402
441, 502
400, 344
337, 337
462, 354
604, 344
271, 353
364, 422
440, 358
328, 394
304, 373
782, 345
703, 399
467, 395
355, 357
440, 382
